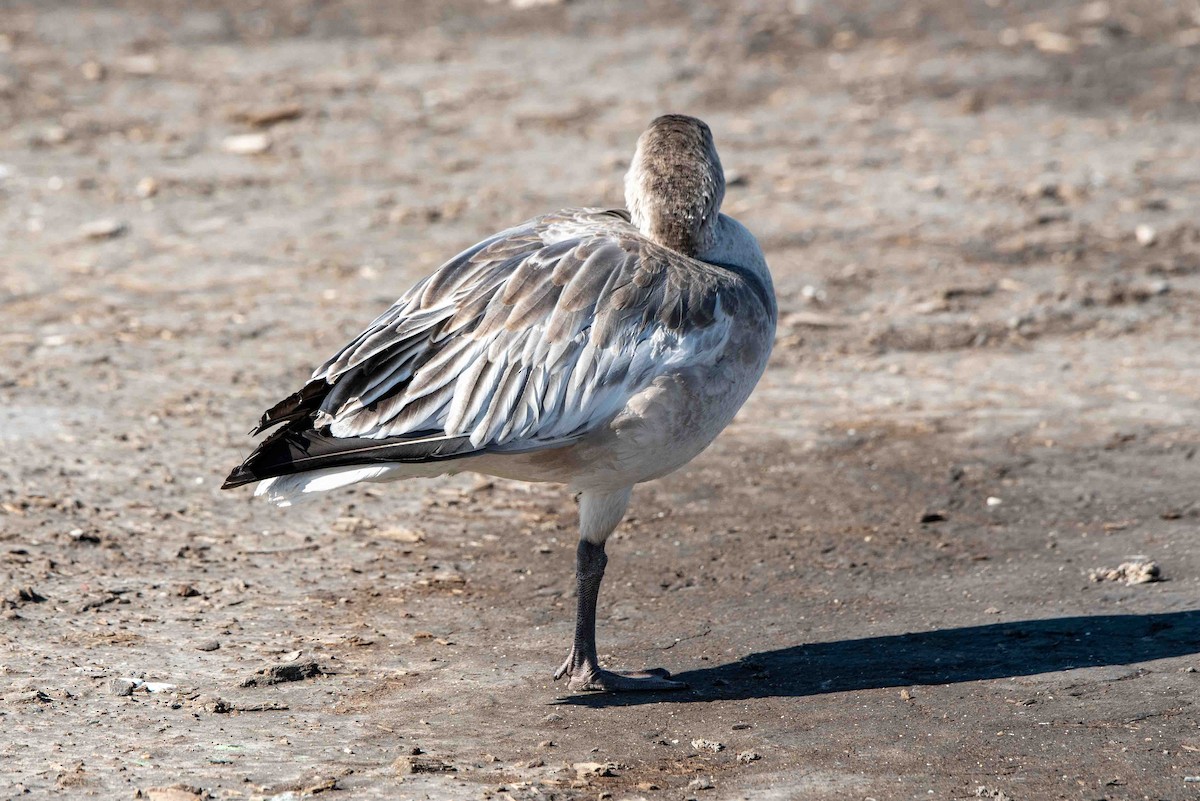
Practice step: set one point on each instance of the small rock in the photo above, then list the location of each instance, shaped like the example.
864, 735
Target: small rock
994, 501
405, 535
426, 764
92, 70
708, 745
746, 757
1046, 188
176, 792
933, 517
123, 687
103, 229
186, 591
54, 135
586, 769
700, 784
1146, 235
26, 595
1138, 571
144, 64
247, 144
278, 674
266, 117
1052, 42
146, 188
211, 703
813, 294
447, 580
208, 645
553, 717
992, 793
929, 183
26, 695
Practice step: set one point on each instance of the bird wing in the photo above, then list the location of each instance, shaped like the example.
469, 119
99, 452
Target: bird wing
527, 340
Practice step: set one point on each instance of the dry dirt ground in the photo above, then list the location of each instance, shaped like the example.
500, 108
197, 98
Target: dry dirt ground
982, 222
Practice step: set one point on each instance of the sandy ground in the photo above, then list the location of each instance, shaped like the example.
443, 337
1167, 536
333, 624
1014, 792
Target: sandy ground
982, 222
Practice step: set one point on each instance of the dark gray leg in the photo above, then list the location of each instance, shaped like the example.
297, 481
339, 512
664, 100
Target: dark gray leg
582, 664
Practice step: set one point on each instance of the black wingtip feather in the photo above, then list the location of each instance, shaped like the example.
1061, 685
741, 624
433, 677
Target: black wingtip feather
293, 407
300, 449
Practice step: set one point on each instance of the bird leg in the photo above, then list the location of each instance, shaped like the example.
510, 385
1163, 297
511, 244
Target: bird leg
581, 664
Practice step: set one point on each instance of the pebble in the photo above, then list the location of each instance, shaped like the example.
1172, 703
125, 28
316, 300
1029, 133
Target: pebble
708, 745
278, 674
266, 117
418, 764
994, 501
146, 188
1137, 571
405, 535
123, 687
26, 595
700, 784
106, 228
92, 70
1146, 235
208, 645
1051, 41
211, 703
176, 792
247, 144
585, 769
54, 135
746, 757
145, 64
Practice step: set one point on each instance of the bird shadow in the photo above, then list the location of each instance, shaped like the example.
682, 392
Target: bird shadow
943, 656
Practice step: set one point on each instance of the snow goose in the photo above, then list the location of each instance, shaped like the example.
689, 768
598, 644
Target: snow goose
589, 347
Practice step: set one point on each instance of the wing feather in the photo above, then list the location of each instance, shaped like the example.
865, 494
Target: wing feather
526, 340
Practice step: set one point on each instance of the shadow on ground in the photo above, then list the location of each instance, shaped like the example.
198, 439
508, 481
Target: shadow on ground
948, 656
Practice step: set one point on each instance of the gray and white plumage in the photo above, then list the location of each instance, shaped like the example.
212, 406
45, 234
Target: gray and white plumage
595, 348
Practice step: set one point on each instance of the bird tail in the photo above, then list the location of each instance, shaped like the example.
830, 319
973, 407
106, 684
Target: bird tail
297, 450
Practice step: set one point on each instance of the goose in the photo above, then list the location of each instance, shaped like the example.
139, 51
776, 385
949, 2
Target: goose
595, 348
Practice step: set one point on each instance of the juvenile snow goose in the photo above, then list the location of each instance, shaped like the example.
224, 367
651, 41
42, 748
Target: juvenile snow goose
589, 347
